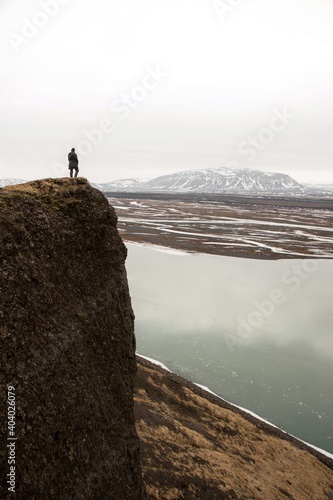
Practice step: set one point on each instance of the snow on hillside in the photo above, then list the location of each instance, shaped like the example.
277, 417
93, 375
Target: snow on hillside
122, 185
214, 180
222, 180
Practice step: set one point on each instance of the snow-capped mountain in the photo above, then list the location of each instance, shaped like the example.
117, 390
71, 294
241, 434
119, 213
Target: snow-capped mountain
213, 180
224, 179
10, 182
129, 185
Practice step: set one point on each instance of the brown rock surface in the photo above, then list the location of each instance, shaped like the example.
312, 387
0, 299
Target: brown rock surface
196, 446
66, 344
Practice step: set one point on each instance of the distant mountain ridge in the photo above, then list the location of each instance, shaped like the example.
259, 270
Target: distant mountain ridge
240, 181
211, 180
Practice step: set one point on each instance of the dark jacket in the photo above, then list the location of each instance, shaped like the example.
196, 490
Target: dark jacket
73, 160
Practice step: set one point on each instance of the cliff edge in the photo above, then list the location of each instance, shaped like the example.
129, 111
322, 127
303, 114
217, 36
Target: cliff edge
67, 346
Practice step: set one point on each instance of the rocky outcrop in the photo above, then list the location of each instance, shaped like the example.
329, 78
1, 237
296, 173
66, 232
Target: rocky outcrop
67, 346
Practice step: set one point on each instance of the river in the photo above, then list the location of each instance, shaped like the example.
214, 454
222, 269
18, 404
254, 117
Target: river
256, 332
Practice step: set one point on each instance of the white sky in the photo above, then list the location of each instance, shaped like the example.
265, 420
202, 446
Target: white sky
223, 71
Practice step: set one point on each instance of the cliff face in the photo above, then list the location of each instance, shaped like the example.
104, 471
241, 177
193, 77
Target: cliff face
67, 344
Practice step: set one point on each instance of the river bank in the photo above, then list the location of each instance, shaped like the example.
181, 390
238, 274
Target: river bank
195, 445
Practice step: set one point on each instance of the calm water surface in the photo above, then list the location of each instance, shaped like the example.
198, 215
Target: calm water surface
258, 333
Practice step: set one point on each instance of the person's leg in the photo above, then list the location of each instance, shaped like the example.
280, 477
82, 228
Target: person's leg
71, 172
76, 171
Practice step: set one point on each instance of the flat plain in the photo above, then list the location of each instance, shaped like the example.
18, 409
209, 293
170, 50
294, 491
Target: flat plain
251, 227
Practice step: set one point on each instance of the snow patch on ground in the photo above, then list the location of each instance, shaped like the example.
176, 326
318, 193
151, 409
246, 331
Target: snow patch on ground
206, 389
161, 365
255, 415
160, 248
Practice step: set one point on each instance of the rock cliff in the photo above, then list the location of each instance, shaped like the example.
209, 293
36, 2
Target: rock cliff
67, 346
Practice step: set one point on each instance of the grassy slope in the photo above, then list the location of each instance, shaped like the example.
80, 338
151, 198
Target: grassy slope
196, 446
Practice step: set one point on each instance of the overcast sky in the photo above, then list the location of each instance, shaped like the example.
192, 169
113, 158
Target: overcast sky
147, 87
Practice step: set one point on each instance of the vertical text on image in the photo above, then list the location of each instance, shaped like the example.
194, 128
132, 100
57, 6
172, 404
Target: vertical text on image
11, 438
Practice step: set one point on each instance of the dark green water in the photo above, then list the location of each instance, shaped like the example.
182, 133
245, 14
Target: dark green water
258, 333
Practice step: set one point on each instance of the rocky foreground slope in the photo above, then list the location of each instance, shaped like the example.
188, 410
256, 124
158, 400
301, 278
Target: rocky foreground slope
67, 346
195, 445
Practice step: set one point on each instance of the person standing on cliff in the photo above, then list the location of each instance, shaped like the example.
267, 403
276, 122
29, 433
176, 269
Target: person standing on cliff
73, 162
